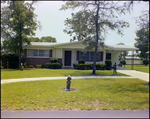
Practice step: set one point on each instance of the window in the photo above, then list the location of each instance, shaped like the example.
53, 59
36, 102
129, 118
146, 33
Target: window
38, 53
89, 56
108, 56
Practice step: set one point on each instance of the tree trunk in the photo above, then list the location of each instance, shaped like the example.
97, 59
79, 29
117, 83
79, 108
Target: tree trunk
96, 43
20, 48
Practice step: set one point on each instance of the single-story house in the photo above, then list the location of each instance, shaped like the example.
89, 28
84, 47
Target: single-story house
70, 52
136, 60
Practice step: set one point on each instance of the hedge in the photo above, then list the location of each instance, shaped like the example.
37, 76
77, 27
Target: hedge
81, 61
12, 60
53, 65
88, 66
53, 60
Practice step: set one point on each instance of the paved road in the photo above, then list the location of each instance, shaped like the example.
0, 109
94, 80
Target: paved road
76, 114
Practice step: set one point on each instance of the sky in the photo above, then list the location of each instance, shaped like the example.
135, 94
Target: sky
52, 22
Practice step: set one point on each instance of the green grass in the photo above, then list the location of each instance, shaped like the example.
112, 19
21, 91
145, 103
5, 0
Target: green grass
89, 94
33, 72
141, 68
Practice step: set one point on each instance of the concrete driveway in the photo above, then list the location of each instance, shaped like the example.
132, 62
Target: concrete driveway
136, 74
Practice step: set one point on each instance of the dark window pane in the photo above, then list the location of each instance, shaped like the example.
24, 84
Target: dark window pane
84, 56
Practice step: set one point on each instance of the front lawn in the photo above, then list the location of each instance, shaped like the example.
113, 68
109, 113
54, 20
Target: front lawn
141, 68
89, 94
34, 72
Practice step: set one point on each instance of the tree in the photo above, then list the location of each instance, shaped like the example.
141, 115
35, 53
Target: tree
93, 19
143, 20
142, 42
48, 39
122, 54
17, 22
34, 39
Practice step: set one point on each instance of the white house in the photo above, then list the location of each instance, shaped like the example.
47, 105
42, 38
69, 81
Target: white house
69, 53
137, 60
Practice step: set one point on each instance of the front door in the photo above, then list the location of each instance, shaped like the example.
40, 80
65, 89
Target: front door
67, 58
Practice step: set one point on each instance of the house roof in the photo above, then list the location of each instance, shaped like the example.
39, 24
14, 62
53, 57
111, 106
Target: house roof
121, 47
52, 45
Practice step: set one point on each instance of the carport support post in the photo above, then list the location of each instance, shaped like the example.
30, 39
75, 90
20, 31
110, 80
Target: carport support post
132, 59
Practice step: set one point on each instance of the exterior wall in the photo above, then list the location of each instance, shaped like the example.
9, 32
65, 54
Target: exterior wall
35, 61
114, 56
58, 53
129, 61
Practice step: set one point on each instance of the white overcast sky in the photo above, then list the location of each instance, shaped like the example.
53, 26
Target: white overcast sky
52, 22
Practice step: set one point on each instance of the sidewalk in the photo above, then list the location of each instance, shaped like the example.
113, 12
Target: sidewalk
131, 73
58, 78
76, 114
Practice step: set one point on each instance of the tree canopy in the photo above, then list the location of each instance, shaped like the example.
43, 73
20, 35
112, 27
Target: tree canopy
142, 42
18, 21
92, 22
48, 39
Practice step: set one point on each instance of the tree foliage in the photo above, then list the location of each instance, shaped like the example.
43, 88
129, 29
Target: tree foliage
142, 42
18, 21
48, 39
34, 39
92, 22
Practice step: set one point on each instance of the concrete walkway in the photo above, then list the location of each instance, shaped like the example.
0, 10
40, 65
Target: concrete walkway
58, 78
136, 74
131, 73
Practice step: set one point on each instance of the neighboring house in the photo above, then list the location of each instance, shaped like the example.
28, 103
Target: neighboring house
136, 60
69, 53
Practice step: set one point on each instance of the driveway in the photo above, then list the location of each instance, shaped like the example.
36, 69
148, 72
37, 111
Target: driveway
136, 74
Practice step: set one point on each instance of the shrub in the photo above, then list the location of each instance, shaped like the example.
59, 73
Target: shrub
12, 60
75, 65
48, 65
123, 62
38, 66
43, 66
88, 66
145, 62
25, 65
98, 67
53, 60
31, 66
56, 66
108, 64
103, 66
81, 61
53, 65
82, 66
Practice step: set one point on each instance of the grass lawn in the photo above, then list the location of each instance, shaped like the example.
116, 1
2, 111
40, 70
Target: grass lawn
141, 68
89, 94
34, 72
